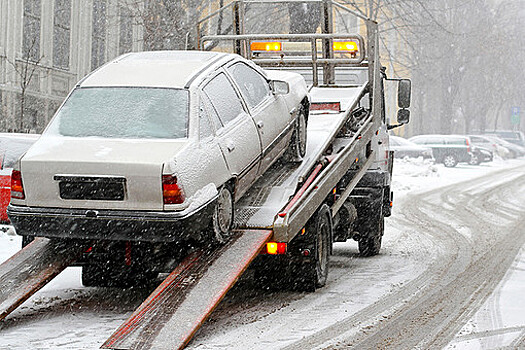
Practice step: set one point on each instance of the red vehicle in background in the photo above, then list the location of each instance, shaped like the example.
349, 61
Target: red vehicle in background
12, 146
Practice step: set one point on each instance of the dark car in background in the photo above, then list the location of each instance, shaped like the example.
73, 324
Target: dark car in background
12, 146
403, 148
453, 149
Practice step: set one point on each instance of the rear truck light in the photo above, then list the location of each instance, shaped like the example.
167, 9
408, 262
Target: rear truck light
326, 106
275, 248
17, 188
171, 191
265, 46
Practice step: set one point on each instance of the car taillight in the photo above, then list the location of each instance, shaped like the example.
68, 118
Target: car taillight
468, 145
17, 188
171, 191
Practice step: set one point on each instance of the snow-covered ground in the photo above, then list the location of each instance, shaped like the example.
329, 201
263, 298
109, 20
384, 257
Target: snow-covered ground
65, 315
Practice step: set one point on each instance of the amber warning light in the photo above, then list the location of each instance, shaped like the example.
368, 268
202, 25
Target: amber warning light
265, 46
275, 248
345, 46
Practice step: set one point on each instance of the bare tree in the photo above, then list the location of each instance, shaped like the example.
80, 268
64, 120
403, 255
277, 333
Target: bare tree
25, 71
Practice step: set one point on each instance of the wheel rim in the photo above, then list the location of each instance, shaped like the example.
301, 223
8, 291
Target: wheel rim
224, 211
449, 161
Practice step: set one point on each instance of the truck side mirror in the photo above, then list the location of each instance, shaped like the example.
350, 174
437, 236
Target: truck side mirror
403, 116
403, 94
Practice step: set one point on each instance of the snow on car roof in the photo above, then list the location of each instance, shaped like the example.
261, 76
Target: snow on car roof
169, 69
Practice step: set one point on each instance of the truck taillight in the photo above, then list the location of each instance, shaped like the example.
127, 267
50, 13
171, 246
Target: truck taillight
17, 188
276, 248
171, 191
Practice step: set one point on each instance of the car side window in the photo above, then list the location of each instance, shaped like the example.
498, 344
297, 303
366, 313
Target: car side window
205, 128
254, 87
223, 98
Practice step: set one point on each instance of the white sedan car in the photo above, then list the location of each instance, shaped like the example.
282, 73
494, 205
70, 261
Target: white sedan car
158, 146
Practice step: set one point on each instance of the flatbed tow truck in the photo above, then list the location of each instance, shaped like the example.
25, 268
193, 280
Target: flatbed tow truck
286, 224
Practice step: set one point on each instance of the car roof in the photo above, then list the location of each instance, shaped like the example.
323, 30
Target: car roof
168, 69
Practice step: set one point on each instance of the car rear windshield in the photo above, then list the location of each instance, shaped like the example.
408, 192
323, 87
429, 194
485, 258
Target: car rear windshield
120, 112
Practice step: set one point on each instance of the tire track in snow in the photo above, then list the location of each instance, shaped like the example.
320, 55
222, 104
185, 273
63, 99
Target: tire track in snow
439, 308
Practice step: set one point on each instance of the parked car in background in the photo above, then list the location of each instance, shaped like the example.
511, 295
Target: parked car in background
12, 146
403, 148
157, 147
453, 149
515, 137
514, 149
489, 143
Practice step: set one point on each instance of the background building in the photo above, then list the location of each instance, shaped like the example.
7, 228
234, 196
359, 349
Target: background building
46, 46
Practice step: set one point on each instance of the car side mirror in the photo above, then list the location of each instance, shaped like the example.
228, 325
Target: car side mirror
403, 116
404, 88
279, 87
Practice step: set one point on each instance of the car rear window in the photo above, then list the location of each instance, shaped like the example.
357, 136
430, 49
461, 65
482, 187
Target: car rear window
120, 112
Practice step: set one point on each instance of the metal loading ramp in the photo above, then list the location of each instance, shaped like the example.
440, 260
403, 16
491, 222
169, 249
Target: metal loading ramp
32, 268
170, 316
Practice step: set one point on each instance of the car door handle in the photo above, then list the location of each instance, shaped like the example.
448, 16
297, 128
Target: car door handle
260, 124
230, 146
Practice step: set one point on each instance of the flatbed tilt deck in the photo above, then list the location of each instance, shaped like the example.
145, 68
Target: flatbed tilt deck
286, 223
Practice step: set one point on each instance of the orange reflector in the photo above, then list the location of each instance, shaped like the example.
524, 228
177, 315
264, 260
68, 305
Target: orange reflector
334, 191
303, 231
326, 106
347, 46
275, 248
391, 204
265, 46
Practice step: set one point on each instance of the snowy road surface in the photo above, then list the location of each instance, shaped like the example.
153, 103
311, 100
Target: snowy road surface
451, 275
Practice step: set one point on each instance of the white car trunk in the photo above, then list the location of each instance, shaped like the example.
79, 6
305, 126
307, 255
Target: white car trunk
134, 164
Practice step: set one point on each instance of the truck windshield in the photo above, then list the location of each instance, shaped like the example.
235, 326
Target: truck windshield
123, 112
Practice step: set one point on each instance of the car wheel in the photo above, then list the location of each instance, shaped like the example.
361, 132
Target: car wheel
474, 160
222, 219
297, 147
450, 161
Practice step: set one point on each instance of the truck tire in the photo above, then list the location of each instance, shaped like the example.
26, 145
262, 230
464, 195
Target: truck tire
297, 148
312, 274
371, 244
222, 219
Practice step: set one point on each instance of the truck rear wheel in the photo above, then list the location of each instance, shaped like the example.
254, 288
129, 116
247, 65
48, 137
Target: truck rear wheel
312, 272
371, 245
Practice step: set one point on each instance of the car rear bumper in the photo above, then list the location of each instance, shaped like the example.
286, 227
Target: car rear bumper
119, 225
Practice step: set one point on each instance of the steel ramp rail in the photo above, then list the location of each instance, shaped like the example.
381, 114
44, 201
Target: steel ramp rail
172, 314
33, 267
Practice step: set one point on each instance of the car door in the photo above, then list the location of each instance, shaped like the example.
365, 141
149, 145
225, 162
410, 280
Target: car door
236, 132
269, 111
